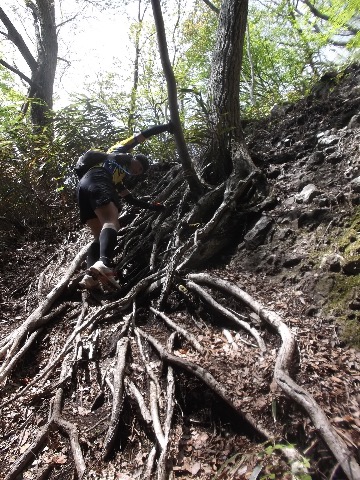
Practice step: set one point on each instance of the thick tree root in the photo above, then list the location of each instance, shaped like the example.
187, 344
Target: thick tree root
281, 374
10, 344
207, 378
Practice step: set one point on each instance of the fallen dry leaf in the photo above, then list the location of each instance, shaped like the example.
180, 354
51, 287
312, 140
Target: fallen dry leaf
59, 459
195, 468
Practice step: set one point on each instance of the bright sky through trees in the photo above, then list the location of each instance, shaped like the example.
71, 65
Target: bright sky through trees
89, 45
93, 44
99, 43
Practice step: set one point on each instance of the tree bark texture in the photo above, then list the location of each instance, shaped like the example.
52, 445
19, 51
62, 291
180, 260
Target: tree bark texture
43, 66
224, 87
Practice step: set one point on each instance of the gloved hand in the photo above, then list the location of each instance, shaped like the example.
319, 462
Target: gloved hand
156, 206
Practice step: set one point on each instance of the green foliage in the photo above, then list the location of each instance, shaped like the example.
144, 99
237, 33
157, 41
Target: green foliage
298, 470
193, 68
37, 191
83, 125
284, 55
282, 58
29, 201
270, 462
271, 68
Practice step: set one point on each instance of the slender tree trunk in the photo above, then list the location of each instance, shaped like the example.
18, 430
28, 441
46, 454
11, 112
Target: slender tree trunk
131, 121
189, 172
47, 49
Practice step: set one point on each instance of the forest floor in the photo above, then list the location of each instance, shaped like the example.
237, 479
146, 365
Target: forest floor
303, 263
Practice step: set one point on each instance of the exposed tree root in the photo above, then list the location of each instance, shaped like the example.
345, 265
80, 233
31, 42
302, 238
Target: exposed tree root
170, 392
187, 335
10, 344
281, 374
118, 375
55, 420
224, 311
146, 364
207, 378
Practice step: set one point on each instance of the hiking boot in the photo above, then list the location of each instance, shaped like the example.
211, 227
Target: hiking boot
88, 282
104, 274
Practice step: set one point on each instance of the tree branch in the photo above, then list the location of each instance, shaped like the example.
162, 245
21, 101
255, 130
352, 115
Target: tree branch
212, 6
17, 72
18, 41
189, 172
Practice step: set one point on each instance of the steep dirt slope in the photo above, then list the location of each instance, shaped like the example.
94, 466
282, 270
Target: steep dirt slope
309, 238
299, 258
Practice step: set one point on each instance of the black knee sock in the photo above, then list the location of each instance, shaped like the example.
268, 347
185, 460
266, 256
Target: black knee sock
108, 240
93, 254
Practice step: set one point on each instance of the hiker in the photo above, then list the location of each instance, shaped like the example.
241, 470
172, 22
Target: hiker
99, 192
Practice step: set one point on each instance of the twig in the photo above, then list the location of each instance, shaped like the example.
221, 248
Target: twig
187, 335
230, 339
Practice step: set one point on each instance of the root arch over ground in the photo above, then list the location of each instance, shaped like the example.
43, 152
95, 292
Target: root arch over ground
100, 382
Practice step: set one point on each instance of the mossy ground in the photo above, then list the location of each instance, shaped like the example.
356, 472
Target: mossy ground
346, 290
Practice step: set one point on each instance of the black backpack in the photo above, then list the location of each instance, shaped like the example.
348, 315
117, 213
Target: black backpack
88, 160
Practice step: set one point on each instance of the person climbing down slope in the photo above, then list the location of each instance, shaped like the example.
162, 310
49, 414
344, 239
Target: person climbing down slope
99, 192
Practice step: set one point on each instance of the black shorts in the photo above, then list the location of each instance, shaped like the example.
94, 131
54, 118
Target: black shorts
94, 190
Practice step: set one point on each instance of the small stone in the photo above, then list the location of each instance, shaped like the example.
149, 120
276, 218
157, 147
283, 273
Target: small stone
334, 158
327, 141
257, 234
307, 194
316, 158
355, 184
352, 267
354, 121
332, 262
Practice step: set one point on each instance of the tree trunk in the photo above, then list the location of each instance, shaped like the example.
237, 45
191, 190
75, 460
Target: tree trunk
47, 48
226, 132
189, 172
134, 90
43, 68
